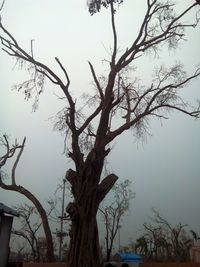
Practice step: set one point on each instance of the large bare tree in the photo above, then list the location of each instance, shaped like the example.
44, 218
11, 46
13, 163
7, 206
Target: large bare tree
118, 95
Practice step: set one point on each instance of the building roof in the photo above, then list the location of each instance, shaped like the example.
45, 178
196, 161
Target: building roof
5, 209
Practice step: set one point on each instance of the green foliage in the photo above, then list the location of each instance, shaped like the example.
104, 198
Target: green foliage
95, 5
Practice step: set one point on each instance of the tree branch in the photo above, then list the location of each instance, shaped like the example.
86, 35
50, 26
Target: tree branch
105, 186
17, 161
142, 42
163, 95
112, 10
64, 70
96, 81
15, 50
10, 151
1, 7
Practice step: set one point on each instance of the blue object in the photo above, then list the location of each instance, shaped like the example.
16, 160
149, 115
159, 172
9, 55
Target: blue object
129, 257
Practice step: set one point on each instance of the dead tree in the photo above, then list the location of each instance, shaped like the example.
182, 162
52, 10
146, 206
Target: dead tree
164, 241
112, 214
28, 231
174, 236
118, 95
10, 152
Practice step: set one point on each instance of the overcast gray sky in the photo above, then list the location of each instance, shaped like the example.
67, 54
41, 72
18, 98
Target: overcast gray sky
165, 168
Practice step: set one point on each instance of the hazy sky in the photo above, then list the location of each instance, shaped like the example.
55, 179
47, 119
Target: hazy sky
165, 168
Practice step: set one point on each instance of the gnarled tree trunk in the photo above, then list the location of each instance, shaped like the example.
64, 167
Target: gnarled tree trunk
84, 244
84, 239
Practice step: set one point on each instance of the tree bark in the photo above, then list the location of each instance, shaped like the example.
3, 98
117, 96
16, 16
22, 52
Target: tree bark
84, 248
84, 239
108, 254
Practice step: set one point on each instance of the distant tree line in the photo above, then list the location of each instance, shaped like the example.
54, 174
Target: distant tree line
162, 241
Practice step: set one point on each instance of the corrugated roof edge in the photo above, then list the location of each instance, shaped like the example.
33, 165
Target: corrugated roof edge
5, 209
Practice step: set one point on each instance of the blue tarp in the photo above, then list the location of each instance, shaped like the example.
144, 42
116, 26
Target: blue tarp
129, 257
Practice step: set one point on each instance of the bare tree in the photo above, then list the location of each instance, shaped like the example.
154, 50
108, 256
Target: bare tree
113, 213
117, 95
28, 230
163, 241
16, 151
175, 236
158, 240
29, 224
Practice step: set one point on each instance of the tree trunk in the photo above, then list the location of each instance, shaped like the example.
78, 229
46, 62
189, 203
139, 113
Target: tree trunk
84, 239
49, 240
84, 248
108, 254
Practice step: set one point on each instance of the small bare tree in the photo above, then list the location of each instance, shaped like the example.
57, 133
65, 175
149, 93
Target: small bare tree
118, 95
113, 213
29, 224
164, 241
28, 230
15, 151
175, 236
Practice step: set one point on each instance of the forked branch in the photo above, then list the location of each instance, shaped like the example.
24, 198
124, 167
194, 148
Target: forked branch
161, 96
167, 28
12, 48
10, 151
